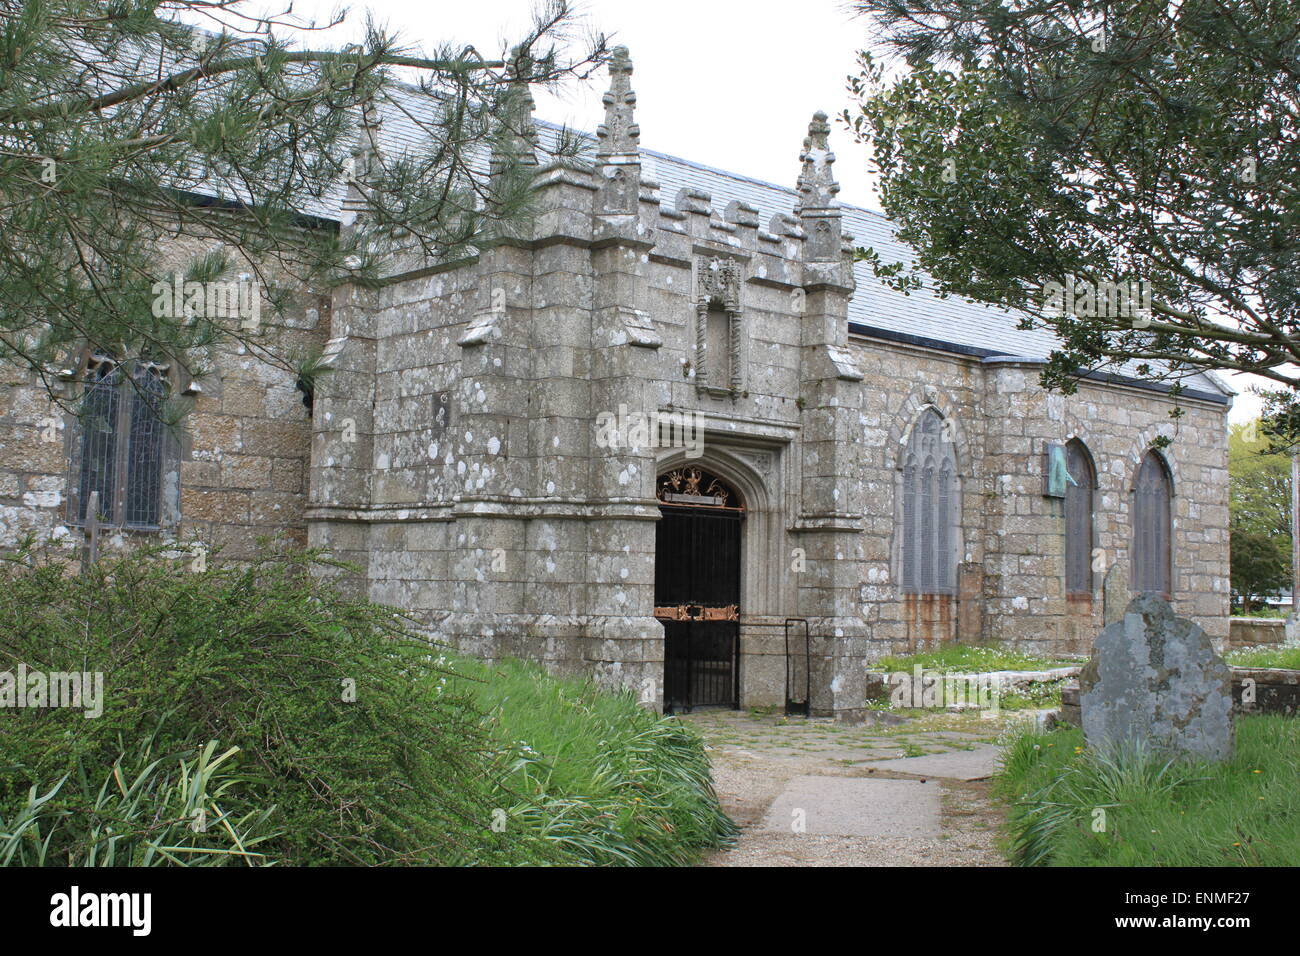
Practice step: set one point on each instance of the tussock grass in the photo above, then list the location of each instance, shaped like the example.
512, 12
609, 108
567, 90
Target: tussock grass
1133, 807
597, 774
151, 815
309, 728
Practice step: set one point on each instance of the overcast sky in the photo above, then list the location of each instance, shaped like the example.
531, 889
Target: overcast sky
728, 83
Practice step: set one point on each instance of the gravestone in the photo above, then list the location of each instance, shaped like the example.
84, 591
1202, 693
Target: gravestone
1115, 593
1154, 679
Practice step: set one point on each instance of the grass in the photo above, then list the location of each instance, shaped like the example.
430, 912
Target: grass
253, 715
595, 773
151, 816
1288, 657
1073, 807
1035, 696
969, 658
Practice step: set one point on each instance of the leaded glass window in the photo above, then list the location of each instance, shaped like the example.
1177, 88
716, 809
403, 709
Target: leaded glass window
1152, 496
929, 508
122, 441
1078, 519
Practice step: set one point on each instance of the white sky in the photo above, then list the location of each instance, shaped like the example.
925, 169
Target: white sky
728, 83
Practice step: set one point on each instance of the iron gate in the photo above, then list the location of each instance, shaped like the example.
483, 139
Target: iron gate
697, 590
798, 667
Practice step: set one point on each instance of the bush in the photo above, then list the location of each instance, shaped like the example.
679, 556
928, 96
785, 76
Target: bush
303, 727
343, 720
1134, 807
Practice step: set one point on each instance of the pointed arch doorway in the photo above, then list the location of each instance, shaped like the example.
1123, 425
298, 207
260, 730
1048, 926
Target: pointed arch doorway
697, 588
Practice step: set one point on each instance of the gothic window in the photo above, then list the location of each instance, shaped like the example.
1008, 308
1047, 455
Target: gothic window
1152, 493
1078, 518
929, 509
121, 442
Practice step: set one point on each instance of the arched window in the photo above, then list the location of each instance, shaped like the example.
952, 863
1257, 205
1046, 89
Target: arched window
929, 508
121, 442
1151, 526
1078, 518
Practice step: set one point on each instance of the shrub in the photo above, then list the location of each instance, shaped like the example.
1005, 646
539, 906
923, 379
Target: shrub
303, 727
343, 719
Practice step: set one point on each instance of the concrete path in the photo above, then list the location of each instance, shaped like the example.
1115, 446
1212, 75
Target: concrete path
977, 764
849, 806
816, 793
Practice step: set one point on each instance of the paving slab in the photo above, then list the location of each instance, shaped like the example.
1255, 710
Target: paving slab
978, 764
853, 806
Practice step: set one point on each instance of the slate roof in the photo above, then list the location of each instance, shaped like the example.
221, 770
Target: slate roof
922, 317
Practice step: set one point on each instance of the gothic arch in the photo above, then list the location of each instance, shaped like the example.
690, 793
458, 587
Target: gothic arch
1151, 521
1080, 513
117, 443
1077, 430
764, 548
928, 541
1078, 441
729, 467
1144, 443
900, 430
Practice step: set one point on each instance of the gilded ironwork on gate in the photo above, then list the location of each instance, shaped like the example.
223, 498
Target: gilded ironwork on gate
691, 485
697, 612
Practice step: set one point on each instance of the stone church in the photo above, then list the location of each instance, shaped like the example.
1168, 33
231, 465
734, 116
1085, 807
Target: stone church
673, 437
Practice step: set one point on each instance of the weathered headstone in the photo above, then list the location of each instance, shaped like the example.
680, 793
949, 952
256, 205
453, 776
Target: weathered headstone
1155, 680
1115, 594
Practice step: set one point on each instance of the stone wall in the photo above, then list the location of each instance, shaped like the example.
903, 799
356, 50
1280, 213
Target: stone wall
238, 465
1255, 690
1026, 603
900, 382
1012, 537
1246, 632
475, 494
453, 452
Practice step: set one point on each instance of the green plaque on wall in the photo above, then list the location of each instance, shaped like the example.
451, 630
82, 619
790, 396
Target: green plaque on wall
1056, 470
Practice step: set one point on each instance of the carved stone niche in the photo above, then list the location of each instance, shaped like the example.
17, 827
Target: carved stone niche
718, 366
